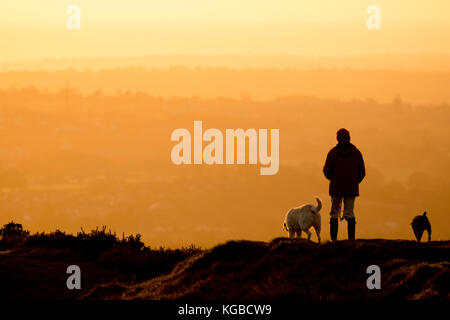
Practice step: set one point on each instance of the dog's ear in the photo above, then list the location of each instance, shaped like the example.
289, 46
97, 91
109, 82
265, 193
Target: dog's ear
424, 213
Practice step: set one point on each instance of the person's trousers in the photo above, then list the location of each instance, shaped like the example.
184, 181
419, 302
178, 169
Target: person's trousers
336, 205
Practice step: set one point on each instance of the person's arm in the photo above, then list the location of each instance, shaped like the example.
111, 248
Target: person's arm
361, 169
329, 166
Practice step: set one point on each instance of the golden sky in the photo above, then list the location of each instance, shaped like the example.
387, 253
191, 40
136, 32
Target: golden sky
31, 30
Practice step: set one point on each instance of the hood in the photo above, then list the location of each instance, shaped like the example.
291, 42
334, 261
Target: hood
345, 149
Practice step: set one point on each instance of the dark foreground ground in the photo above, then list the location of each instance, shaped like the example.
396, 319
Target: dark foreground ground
240, 270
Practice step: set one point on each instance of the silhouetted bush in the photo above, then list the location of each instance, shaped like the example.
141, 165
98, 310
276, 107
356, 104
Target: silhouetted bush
90, 245
12, 235
13, 229
127, 255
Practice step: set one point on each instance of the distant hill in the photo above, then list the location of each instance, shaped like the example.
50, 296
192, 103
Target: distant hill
410, 62
249, 83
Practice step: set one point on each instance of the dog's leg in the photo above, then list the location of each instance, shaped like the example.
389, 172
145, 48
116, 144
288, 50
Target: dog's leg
317, 228
299, 233
309, 234
416, 233
291, 233
429, 233
420, 235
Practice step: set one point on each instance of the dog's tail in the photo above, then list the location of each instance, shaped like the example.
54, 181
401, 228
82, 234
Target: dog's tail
285, 227
319, 204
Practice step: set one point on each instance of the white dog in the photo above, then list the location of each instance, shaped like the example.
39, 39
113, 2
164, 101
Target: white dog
302, 219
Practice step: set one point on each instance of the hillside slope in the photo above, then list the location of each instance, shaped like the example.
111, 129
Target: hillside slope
299, 269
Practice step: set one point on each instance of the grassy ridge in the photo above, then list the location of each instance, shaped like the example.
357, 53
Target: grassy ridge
300, 270
124, 268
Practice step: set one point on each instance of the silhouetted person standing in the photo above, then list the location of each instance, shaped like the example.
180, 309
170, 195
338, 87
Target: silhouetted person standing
345, 169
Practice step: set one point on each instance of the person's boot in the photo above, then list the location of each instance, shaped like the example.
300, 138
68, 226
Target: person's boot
351, 228
333, 228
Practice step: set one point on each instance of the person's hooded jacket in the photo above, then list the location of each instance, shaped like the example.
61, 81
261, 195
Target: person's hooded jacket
345, 169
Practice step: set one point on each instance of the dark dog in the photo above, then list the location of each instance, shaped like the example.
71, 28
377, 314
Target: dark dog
419, 225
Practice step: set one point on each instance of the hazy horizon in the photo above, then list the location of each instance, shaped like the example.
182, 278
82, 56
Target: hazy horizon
381, 61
